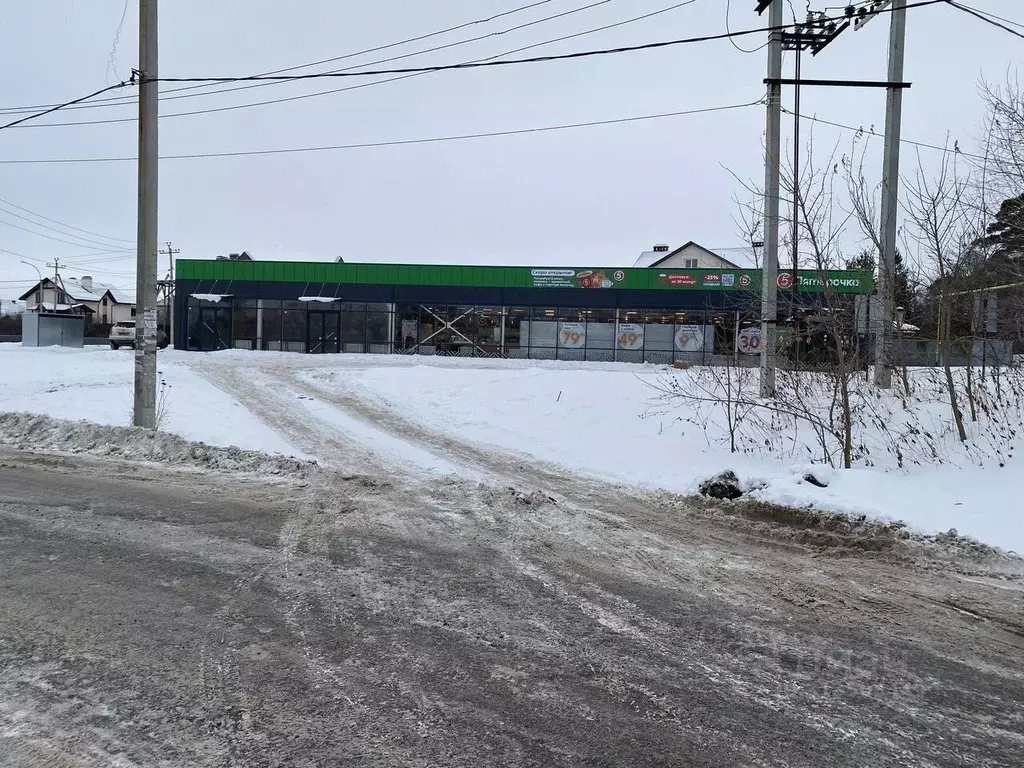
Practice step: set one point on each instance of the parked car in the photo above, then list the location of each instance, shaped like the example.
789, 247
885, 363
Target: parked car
122, 334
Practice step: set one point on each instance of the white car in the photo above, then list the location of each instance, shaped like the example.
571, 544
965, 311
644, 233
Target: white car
122, 334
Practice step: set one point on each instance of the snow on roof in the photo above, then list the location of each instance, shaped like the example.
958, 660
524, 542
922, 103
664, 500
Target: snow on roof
73, 287
647, 258
49, 306
321, 299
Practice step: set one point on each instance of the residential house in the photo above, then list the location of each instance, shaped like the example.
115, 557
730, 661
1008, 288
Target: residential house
243, 256
106, 304
694, 256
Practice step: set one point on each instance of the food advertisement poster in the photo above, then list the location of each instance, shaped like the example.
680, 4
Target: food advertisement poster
572, 335
577, 278
631, 336
689, 338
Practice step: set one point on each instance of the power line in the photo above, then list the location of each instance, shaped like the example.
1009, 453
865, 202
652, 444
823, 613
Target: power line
728, 14
871, 132
461, 66
121, 102
531, 60
396, 143
85, 243
64, 223
300, 97
55, 229
981, 15
999, 18
62, 106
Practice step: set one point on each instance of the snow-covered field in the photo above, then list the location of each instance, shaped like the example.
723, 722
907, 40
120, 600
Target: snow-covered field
595, 420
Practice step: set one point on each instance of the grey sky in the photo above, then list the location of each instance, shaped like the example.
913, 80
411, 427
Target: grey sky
587, 196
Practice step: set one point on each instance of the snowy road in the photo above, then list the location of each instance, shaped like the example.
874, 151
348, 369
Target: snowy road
405, 618
445, 588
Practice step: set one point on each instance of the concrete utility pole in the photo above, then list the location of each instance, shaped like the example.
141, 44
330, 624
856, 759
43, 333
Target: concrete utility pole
146, 268
773, 150
796, 179
890, 198
168, 286
57, 282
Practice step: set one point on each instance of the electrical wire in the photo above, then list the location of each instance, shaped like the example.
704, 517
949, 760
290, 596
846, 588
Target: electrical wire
301, 97
112, 58
58, 107
127, 101
396, 143
449, 67
64, 223
871, 132
981, 15
51, 237
728, 13
55, 229
530, 60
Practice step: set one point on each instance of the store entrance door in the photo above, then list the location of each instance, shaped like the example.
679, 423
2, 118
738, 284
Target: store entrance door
209, 328
323, 335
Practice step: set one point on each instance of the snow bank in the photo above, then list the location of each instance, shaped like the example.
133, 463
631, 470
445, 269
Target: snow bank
610, 421
96, 383
34, 432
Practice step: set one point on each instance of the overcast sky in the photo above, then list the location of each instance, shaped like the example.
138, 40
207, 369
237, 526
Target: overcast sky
597, 195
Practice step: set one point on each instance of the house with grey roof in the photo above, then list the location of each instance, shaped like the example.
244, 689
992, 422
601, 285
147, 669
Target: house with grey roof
106, 304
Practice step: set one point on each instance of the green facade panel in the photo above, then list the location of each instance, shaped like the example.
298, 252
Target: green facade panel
583, 278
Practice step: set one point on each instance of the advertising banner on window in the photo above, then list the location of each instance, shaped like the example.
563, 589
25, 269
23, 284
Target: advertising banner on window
572, 335
689, 338
749, 341
631, 336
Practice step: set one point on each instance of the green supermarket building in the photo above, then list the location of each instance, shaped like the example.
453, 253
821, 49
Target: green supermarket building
638, 314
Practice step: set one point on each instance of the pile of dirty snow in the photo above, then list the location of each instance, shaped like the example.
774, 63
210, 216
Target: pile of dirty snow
31, 431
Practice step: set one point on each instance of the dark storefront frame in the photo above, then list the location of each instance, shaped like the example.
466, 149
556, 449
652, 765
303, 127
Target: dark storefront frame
466, 321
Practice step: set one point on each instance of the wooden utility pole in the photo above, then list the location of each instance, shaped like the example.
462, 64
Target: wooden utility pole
144, 411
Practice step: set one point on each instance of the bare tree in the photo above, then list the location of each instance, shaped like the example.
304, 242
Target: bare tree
1003, 160
944, 227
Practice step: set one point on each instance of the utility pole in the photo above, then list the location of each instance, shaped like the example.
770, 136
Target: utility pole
57, 267
773, 149
796, 183
144, 412
890, 197
168, 286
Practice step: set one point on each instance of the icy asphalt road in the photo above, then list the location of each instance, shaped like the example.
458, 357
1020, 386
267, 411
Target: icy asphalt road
155, 618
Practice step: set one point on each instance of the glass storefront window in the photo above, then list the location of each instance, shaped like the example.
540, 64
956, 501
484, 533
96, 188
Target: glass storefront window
515, 317
269, 321
353, 330
293, 326
245, 324
541, 334
723, 325
378, 325
407, 323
